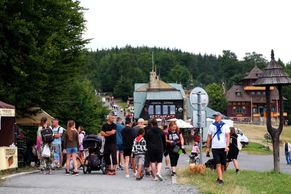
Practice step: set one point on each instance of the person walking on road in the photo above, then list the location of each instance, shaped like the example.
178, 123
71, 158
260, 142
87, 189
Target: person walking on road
81, 133
218, 135
57, 143
119, 153
233, 150
155, 144
166, 153
175, 142
109, 132
287, 149
128, 136
71, 145
139, 149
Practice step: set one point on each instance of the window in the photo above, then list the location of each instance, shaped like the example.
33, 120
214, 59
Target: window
239, 109
259, 93
172, 109
151, 109
158, 109
253, 93
165, 110
255, 110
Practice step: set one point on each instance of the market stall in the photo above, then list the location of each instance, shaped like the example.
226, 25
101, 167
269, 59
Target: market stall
8, 151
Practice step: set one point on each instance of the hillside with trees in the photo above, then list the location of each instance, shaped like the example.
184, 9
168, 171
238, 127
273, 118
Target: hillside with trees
116, 70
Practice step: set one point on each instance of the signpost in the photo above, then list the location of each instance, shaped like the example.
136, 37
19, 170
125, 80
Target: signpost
199, 101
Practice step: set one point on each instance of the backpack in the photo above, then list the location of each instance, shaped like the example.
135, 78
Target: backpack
47, 135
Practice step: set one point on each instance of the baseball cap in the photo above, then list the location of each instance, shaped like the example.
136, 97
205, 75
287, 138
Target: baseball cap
217, 114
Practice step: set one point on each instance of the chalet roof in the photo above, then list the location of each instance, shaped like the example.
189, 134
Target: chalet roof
5, 105
247, 97
273, 74
161, 85
255, 73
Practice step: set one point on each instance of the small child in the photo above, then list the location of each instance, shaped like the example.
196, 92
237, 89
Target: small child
139, 150
195, 149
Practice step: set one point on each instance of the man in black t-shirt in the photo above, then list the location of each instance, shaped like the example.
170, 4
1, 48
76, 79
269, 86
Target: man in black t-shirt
109, 132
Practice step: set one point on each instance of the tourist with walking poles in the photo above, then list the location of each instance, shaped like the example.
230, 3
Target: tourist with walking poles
109, 132
218, 135
175, 142
71, 145
155, 144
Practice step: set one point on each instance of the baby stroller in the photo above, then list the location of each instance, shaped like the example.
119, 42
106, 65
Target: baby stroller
95, 160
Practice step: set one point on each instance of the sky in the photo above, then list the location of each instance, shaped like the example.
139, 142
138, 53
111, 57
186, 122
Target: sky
196, 26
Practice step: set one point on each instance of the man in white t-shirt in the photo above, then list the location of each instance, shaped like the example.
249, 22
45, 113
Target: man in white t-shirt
57, 143
218, 135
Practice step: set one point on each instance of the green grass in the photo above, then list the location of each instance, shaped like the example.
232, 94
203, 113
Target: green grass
256, 148
121, 104
243, 183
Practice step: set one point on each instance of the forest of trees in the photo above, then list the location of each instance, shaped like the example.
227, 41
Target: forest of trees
44, 62
42, 57
116, 70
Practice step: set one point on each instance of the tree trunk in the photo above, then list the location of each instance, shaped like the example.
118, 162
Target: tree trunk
275, 133
276, 152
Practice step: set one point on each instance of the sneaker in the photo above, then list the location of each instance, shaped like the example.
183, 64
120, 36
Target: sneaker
135, 173
67, 172
237, 171
127, 176
173, 173
220, 182
75, 173
121, 167
159, 177
156, 179
147, 173
138, 178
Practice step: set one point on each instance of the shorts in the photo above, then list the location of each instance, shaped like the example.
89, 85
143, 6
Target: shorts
72, 150
232, 155
139, 159
127, 152
166, 153
119, 147
155, 156
219, 156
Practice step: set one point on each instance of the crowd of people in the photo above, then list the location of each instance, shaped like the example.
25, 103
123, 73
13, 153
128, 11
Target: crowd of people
140, 147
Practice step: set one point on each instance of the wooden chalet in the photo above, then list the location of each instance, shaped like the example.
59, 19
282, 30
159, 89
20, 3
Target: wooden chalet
158, 99
247, 102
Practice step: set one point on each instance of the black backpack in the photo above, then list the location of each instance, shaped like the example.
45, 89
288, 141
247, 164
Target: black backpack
47, 135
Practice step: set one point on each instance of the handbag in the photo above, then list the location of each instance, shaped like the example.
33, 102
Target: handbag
239, 145
46, 152
176, 149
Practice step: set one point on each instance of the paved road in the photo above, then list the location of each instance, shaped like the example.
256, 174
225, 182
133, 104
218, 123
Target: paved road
58, 182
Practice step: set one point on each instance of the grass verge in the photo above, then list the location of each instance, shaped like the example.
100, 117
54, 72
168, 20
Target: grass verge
256, 148
246, 182
4, 173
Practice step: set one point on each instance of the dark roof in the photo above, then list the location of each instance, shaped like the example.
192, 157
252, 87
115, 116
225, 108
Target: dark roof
5, 105
246, 97
255, 73
273, 74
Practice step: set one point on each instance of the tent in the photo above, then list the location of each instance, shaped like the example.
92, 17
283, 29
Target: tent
183, 125
33, 117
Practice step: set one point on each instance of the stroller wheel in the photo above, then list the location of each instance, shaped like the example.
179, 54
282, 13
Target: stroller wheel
85, 167
103, 166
